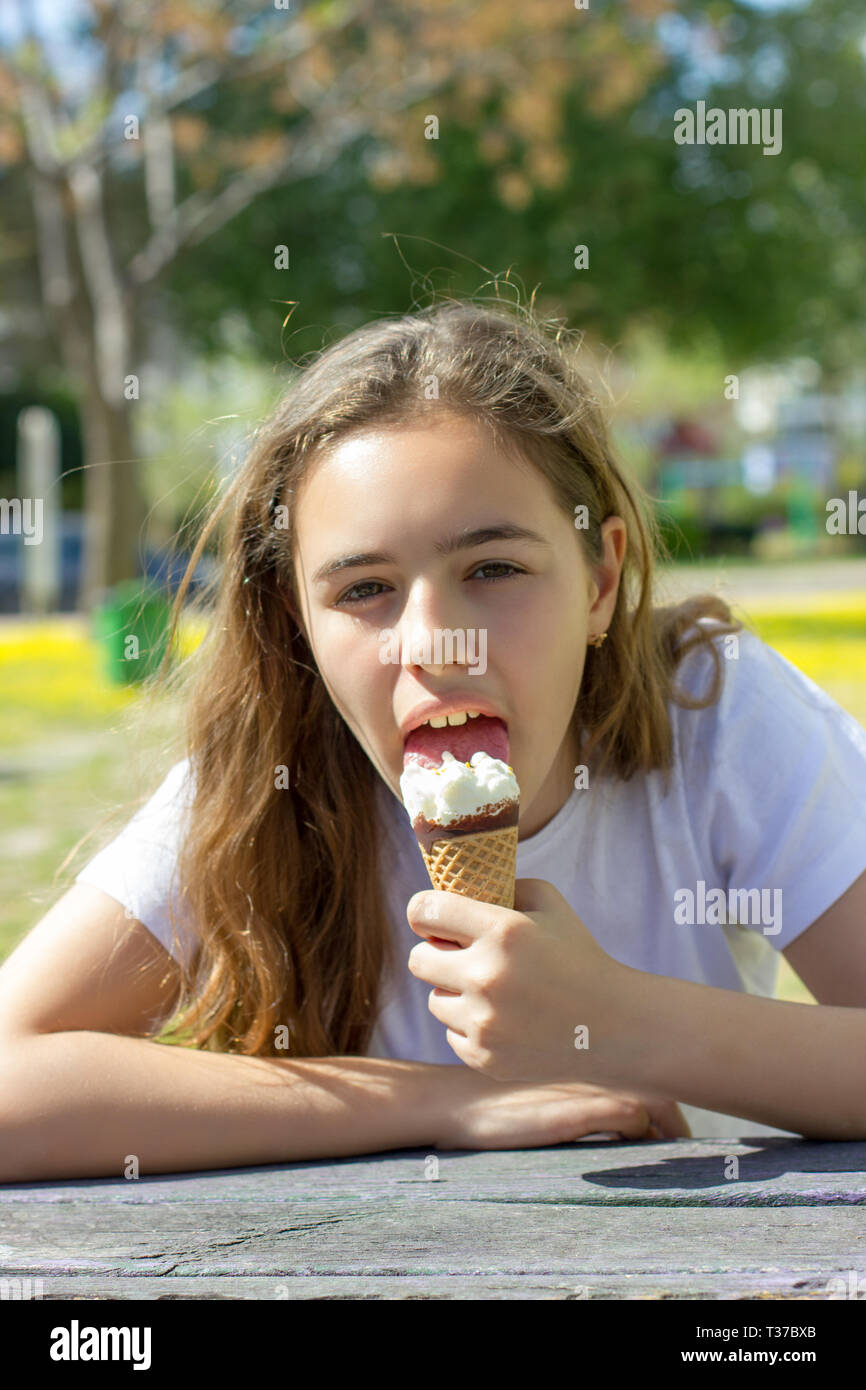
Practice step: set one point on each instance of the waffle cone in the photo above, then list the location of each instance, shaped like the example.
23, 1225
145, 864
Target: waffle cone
482, 866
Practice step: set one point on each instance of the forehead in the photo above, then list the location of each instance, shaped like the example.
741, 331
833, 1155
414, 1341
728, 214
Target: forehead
438, 460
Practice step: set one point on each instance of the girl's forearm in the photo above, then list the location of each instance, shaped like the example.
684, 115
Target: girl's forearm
79, 1104
800, 1067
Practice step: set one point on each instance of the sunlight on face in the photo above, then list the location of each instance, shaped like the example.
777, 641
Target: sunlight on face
393, 493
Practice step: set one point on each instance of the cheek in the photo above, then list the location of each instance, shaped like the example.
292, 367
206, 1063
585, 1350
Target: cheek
548, 661
348, 658
551, 631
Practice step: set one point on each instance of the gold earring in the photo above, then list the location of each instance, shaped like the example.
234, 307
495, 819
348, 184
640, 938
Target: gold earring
597, 640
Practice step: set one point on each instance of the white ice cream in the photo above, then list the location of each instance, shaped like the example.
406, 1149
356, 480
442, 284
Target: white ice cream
444, 794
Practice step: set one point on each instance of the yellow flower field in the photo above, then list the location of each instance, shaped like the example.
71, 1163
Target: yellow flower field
822, 634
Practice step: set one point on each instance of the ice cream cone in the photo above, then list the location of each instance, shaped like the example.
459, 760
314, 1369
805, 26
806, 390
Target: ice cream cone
482, 866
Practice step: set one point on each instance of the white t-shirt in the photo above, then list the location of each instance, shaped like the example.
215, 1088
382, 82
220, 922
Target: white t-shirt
768, 792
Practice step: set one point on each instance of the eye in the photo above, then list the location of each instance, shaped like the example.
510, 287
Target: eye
498, 564
364, 584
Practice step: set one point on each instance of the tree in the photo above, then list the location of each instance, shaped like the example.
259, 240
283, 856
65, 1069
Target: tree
295, 89
505, 134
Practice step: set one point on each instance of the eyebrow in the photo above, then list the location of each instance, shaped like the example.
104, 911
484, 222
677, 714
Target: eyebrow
463, 540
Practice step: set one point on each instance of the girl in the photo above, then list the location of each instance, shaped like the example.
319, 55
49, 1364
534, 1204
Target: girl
690, 805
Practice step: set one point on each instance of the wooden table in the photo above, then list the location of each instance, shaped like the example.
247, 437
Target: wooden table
598, 1219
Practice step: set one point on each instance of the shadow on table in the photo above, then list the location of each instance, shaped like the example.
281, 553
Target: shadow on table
774, 1159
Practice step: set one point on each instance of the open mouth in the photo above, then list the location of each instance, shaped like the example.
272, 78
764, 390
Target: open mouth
482, 735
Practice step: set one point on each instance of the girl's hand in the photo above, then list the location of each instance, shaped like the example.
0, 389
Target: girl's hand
489, 1114
531, 996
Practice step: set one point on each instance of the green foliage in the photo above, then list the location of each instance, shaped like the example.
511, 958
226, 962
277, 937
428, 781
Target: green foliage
726, 520
716, 248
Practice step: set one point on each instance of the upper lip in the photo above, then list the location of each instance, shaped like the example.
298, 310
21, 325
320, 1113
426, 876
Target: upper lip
455, 704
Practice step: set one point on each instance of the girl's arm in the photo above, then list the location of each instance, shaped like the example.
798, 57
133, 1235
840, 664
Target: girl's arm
82, 1104
82, 1096
800, 1067
80, 1093
88, 1104
797, 1066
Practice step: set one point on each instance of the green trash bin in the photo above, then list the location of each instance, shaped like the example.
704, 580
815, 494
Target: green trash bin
132, 625
801, 512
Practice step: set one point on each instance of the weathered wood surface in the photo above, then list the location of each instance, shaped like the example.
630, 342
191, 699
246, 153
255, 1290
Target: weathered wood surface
596, 1219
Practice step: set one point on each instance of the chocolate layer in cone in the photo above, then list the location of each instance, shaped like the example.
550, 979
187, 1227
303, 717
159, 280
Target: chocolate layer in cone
498, 817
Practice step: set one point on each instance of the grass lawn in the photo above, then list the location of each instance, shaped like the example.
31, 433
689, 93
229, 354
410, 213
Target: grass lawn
74, 748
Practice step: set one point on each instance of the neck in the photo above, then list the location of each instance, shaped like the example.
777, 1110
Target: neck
554, 792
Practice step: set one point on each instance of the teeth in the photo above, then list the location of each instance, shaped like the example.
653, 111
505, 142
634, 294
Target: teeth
441, 721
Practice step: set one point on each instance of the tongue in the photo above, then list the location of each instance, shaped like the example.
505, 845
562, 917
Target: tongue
481, 735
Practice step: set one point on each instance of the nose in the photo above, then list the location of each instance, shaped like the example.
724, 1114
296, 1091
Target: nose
426, 629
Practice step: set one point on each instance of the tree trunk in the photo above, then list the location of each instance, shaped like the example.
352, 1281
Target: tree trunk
113, 505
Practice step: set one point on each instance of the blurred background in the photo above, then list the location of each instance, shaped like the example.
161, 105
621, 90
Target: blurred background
194, 195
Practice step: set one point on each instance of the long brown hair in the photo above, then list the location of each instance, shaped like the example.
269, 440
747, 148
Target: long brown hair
279, 867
